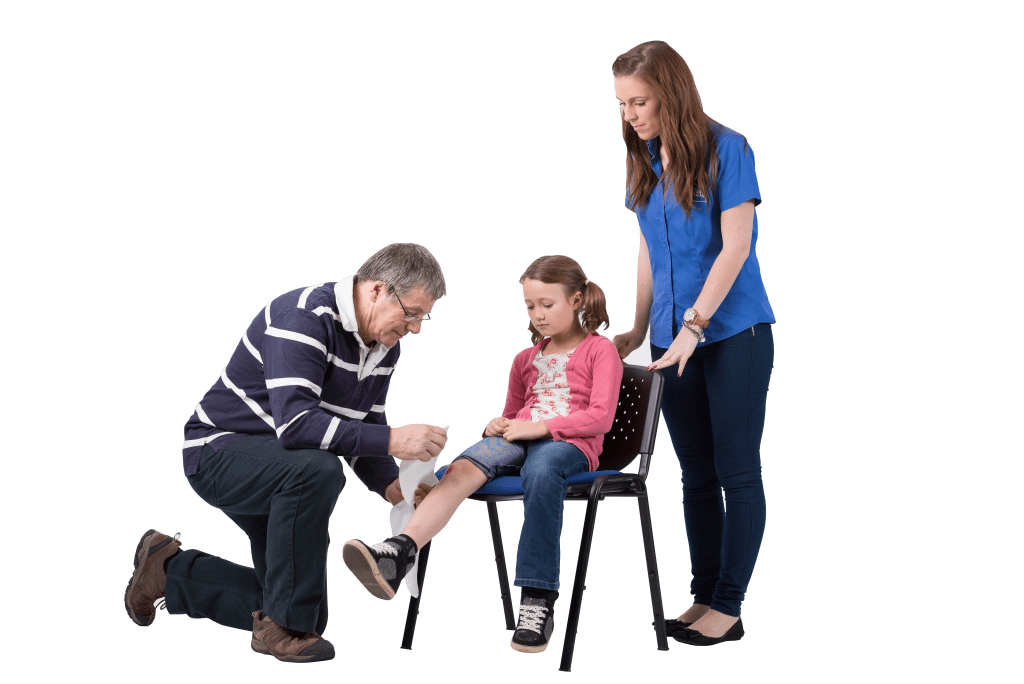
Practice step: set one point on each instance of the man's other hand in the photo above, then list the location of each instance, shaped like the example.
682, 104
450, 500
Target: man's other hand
416, 442
394, 493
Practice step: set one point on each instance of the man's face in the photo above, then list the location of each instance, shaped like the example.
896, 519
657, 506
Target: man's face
388, 322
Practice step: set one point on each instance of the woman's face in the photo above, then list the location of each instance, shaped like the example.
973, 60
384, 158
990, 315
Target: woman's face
551, 312
639, 108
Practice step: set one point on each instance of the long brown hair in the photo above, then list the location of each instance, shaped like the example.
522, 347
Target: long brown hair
566, 272
686, 131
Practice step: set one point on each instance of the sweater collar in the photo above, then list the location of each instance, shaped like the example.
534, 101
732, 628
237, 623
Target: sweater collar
347, 314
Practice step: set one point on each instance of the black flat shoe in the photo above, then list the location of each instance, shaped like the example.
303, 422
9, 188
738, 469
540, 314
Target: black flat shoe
673, 627
695, 638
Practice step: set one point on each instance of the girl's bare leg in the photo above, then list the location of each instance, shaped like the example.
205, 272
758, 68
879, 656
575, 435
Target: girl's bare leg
461, 479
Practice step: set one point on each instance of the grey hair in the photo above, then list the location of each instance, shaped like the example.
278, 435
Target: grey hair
405, 266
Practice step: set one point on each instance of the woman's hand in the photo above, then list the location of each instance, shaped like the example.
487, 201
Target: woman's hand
523, 430
497, 427
628, 342
394, 493
680, 351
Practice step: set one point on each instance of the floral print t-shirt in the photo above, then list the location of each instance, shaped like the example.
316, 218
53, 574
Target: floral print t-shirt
552, 387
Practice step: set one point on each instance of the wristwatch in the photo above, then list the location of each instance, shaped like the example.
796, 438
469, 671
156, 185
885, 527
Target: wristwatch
692, 317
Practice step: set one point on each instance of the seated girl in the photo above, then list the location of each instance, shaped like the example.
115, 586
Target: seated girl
562, 395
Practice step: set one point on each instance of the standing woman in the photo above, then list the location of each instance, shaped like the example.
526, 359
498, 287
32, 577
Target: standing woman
692, 184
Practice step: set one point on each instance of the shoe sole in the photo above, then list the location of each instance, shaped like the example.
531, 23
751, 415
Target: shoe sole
529, 649
364, 567
260, 647
142, 553
712, 641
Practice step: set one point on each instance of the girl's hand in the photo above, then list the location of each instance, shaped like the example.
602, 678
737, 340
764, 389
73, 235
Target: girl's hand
628, 342
497, 427
394, 493
524, 430
680, 351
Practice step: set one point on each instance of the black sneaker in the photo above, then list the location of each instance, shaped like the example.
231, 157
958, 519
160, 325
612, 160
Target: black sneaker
380, 567
536, 622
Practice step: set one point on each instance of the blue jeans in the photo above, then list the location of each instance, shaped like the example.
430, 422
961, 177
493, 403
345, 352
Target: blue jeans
715, 415
544, 465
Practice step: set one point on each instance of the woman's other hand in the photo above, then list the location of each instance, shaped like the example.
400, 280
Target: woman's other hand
523, 430
497, 427
628, 342
680, 351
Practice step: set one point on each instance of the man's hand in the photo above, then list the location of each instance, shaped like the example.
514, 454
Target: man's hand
523, 430
416, 442
497, 427
394, 493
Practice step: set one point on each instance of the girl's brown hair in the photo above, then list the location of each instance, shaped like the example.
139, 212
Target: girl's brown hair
567, 273
686, 131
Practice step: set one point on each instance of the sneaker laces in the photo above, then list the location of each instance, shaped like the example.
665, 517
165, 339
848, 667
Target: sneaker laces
162, 605
386, 548
531, 617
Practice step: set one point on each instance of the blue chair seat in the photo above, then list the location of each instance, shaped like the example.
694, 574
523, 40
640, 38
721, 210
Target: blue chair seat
512, 485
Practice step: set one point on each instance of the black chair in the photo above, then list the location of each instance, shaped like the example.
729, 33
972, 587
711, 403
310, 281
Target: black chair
632, 435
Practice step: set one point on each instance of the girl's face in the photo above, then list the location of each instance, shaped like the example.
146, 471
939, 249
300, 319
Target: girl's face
551, 312
639, 108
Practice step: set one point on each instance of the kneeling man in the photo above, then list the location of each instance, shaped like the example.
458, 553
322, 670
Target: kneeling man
306, 384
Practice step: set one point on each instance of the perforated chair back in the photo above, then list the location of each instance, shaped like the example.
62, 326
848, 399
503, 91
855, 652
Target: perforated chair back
636, 421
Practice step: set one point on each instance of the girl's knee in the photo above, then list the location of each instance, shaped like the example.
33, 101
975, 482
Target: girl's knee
461, 473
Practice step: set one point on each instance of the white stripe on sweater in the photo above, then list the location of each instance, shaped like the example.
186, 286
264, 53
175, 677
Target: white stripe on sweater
358, 415
248, 402
380, 370
343, 364
295, 337
329, 435
305, 295
321, 310
285, 426
301, 382
200, 442
252, 349
203, 417
377, 408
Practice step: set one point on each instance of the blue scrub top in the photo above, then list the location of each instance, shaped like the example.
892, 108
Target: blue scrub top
682, 249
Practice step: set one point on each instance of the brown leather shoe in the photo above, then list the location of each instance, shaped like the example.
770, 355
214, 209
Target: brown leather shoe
150, 577
285, 644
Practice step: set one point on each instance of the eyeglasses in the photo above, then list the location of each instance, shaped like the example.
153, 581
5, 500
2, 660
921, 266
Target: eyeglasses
408, 316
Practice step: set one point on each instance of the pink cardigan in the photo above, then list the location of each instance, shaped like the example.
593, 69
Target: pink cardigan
594, 374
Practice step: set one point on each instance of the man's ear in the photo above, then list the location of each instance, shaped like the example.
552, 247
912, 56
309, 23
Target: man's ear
379, 288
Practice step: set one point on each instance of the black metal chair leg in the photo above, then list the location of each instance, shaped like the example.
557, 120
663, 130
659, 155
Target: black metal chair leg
579, 585
499, 559
652, 572
414, 601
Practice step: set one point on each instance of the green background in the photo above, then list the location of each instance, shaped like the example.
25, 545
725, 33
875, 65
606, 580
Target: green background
170, 168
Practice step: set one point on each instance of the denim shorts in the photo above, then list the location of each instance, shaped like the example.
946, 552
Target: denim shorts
496, 456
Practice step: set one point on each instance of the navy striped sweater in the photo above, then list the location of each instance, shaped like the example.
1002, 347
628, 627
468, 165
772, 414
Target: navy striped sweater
301, 373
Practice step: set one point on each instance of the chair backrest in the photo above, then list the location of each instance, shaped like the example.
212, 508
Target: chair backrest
636, 420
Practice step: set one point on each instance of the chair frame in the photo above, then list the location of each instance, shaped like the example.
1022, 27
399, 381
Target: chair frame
610, 484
